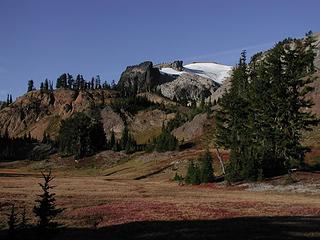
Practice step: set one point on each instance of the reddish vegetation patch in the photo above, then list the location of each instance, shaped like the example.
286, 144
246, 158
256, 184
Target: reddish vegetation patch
208, 186
148, 210
129, 211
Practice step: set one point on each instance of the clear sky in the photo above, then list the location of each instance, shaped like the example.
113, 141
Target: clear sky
43, 38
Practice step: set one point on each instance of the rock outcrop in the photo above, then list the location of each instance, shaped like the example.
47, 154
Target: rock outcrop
189, 87
176, 65
141, 78
38, 112
191, 130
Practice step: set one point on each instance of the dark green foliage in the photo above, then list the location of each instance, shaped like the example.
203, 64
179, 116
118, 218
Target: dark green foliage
9, 101
15, 148
164, 142
193, 174
132, 104
124, 137
112, 142
200, 174
261, 118
62, 81
30, 86
81, 136
206, 168
177, 178
176, 122
127, 142
45, 209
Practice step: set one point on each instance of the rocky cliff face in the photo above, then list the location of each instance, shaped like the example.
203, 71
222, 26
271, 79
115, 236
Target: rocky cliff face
141, 78
189, 87
317, 59
37, 112
176, 65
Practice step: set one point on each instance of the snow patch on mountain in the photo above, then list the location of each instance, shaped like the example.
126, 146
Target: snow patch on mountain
214, 71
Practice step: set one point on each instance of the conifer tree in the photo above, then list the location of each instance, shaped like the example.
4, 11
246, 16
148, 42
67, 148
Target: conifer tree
70, 81
112, 140
263, 115
46, 85
193, 174
41, 87
206, 168
232, 118
124, 137
45, 209
58, 83
81, 136
30, 86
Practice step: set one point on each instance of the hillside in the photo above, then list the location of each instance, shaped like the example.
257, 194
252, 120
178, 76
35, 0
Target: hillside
169, 88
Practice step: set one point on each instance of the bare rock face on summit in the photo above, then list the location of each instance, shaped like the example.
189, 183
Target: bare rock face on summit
140, 78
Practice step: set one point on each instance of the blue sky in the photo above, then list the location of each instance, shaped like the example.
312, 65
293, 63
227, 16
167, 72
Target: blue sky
43, 38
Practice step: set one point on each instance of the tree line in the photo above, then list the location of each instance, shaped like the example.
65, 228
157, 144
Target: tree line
67, 81
263, 115
15, 148
199, 171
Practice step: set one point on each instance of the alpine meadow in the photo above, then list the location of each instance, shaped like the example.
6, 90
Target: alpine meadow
159, 120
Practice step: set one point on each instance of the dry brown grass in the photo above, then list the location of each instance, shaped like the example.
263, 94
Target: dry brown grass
100, 201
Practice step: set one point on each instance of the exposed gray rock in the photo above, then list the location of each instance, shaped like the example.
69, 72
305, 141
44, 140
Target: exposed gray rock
189, 87
317, 59
176, 65
141, 78
192, 129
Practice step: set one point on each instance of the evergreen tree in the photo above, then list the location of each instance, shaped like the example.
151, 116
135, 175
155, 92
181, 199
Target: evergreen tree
46, 85
58, 83
124, 137
262, 116
164, 142
81, 136
193, 174
92, 83
112, 140
232, 119
206, 168
41, 87
62, 81
46, 209
98, 82
51, 86
30, 86
113, 85
10, 99
70, 81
